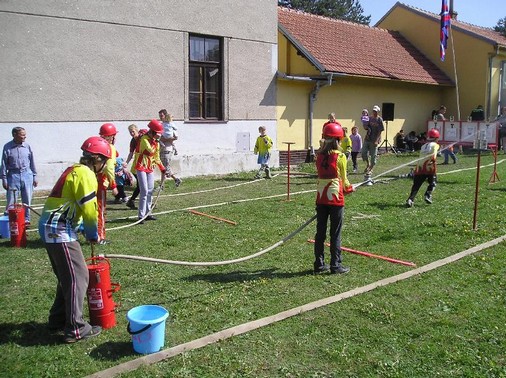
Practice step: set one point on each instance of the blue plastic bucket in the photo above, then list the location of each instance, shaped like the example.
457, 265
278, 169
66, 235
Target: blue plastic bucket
4, 227
146, 325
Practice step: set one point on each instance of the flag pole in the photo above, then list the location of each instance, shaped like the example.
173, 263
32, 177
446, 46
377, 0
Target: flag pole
454, 64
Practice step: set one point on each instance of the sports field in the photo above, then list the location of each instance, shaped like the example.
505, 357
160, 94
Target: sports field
269, 316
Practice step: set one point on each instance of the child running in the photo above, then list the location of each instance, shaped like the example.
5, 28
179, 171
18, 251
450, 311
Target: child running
425, 169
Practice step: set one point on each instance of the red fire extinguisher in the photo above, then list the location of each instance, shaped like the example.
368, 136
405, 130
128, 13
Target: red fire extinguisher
17, 223
100, 289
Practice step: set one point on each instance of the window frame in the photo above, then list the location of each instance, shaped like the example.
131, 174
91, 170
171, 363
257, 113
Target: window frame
204, 95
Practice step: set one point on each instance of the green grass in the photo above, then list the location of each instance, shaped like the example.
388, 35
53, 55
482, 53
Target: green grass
449, 322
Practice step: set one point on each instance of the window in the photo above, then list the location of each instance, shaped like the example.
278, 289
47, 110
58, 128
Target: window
205, 79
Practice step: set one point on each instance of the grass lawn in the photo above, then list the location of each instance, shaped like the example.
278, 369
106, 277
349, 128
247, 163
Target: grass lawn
449, 322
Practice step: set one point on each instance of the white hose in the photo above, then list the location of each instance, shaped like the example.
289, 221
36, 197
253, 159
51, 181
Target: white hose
213, 263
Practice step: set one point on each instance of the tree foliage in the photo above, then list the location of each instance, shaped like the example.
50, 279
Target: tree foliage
349, 10
501, 26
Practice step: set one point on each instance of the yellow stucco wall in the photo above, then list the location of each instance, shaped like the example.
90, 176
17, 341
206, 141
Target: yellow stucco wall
290, 62
346, 97
471, 56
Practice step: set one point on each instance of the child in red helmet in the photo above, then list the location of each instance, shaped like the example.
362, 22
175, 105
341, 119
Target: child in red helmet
147, 156
71, 204
426, 168
333, 184
106, 179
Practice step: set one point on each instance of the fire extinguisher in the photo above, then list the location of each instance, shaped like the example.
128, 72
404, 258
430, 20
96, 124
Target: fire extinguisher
100, 289
17, 225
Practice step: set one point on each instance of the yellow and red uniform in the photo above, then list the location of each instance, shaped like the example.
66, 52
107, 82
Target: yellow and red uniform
71, 202
333, 181
106, 180
147, 155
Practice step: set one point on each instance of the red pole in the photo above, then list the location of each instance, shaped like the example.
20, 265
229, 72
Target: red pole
213, 217
288, 178
367, 254
477, 188
494, 176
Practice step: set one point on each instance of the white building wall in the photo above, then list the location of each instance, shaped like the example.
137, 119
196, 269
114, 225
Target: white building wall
69, 66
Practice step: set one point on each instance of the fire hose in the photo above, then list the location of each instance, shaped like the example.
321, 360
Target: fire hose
214, 263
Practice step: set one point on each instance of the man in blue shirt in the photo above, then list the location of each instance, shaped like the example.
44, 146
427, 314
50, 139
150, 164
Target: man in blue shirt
18, 172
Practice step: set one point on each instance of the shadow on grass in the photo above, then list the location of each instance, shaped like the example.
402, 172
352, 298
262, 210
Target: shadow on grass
386, 205
113, 350
498, 189
30, 243
242, 276
28, 334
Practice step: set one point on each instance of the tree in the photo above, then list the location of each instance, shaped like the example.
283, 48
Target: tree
501, 26
349, 10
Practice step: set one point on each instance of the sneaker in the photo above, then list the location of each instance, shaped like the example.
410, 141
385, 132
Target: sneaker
125, 200
355, 170
94, 331
257, 177
428, 199
131, 205
103, 242
117, 200
150, 217
339, 270
409, 203
321, 269
177, 182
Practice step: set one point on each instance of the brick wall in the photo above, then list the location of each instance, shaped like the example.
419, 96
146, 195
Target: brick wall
296, 157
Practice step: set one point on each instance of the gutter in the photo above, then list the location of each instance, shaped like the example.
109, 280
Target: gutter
312, 99
320, 82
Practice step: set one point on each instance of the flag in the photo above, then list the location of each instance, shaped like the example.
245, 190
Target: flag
445, 29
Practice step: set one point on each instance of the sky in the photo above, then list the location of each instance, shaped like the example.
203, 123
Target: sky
486, 14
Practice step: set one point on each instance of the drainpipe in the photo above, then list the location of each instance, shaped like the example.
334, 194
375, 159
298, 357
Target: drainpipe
312, 99
489, 95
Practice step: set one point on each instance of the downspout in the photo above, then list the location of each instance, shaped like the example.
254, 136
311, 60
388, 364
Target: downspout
489, 95
312, 99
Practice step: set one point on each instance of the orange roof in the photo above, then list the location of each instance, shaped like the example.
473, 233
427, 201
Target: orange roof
487, 34
336, 46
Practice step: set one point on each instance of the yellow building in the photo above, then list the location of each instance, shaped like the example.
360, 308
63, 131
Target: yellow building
479, 64
327, 65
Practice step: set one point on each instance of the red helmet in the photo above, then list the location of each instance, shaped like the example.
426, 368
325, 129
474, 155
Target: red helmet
98, 146
433, 133
156, 126
108, 129
333, 130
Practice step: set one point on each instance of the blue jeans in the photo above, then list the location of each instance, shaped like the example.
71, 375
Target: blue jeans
447, 153
21, 183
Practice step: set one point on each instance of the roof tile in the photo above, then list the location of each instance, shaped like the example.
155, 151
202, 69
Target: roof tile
355, 49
